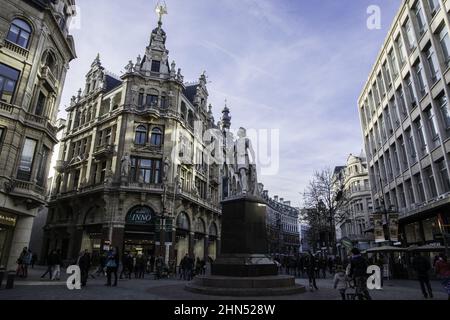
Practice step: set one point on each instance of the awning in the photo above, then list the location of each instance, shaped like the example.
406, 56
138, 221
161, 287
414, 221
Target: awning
427, 248
385, 249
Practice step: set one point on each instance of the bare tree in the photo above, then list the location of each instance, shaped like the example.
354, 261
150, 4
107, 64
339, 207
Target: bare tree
324, 200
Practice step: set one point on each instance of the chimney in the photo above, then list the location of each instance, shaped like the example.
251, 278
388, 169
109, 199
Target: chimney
275, 198
288, 203
282, 200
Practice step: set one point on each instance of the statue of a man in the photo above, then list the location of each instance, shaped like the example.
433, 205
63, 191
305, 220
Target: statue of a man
166, 169
125, 165
242, 148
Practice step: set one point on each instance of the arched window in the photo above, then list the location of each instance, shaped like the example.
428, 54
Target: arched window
156, 138
213, 230
19, 33
183, 221
141, 135
50, 62
200, 226
183, 111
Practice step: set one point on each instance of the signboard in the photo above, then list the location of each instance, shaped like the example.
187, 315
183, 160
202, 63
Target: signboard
347, 243
378, 227
393, 226
140, 215
7, 219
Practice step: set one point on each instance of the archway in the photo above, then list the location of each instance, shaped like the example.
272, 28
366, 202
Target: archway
199, 239
182, 236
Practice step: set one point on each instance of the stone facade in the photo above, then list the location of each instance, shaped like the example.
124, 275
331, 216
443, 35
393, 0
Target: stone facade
354, 216
35, 51
135, 169
282, 225
405, 118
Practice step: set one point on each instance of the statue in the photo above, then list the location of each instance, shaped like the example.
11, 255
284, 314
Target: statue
129, 67
243, 167
166, 169
125, 165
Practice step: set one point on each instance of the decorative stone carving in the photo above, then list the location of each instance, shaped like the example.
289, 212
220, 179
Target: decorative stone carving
129, 68
125, 165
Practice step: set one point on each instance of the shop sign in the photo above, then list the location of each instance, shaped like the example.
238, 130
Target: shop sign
393, 226
378, 227
7, 219
140, 216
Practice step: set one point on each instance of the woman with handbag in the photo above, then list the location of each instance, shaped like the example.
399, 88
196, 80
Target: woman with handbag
112, 263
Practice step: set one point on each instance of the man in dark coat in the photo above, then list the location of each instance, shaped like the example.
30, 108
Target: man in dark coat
51, 261
310, 267
422, 266
358, 271
85, 264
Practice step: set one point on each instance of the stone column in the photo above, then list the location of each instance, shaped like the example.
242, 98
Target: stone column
206, 251
21, 239
172, 247
118, 238
191, 243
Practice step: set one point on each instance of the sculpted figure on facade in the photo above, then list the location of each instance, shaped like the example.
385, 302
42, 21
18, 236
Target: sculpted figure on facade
125, 165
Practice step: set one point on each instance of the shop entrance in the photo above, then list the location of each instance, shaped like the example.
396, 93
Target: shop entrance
7, 224
139, 237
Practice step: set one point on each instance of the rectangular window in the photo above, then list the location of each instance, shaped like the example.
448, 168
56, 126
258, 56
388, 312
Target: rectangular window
403, 153
381, 87
40, 105
421, 136
410, 191
42, 168
434, 6
156, 66
410, 35
444, 177
418, 11
76, 179
443, 105
412, 149
103, 172
421, 79
433, 64
401, 51
410, 90
141, 99
152, 100
402, 103
146, 170
431, 182
8, 81
420, 189
444, 40
393, 62
26, 160
434, 135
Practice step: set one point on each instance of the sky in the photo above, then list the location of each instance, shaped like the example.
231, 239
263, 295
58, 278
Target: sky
292, 66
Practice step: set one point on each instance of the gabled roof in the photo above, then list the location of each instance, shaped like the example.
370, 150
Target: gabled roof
112, 83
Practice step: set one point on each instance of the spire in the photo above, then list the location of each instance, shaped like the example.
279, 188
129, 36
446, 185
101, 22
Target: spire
226, 118
96, 61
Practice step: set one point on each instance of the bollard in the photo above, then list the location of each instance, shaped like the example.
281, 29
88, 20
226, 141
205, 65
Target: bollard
10, 280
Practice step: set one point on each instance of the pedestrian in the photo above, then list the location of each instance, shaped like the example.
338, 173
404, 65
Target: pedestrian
184, 264
323, 267
57, 266
358, 272
198, 266
140, 266
84, 262
310, 268
34, 258
341, 281
190, 268
20, 272
330, 265
159, 265
51, 258
443, 271
112, 263
422, 267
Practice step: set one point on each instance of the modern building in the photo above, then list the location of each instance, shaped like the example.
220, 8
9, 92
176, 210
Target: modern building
35, 51
134, 169
405, 118
282, 225
353, 217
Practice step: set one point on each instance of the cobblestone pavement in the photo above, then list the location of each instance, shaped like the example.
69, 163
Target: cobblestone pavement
173, 289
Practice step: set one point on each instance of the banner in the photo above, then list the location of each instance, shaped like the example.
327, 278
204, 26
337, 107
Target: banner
393, 226
378, 227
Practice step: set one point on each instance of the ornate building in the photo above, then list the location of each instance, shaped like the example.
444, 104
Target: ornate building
282, 225
135, 168
35, 51
354, 216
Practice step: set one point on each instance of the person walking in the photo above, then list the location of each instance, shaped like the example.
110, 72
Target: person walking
184, 266
422, 267
310, 268
57, 266
51, 260
159, 265
152, 263
112, 263
20, 272
443, 271
84, 262
140, 266
341, 281
358, 271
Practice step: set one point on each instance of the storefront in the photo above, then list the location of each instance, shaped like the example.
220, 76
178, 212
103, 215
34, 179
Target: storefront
7, 226
182, 237
199, 239
428, 229
139, 234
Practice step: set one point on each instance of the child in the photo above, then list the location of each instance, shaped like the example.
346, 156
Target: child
340, 281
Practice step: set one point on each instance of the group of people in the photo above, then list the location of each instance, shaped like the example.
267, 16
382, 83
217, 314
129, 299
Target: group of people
27, 258
188, 268
54, 264
300, 265
140, 265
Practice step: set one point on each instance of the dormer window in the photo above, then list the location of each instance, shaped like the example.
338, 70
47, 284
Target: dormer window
156, 65
19, 33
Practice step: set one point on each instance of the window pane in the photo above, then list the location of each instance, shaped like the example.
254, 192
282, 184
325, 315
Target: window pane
26, 161
156, 66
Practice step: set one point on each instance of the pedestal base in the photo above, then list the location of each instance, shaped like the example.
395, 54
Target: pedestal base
244, 265
245, 286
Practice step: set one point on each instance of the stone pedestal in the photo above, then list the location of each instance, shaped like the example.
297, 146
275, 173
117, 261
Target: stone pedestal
244, 267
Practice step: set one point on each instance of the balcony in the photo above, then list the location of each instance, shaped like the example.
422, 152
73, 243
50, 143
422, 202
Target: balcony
6, 107
16, 49
49, 79
104, 151
42, 122
28, 193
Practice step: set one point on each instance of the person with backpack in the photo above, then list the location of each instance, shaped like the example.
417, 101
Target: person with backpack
358, 272
422, 267
112, 263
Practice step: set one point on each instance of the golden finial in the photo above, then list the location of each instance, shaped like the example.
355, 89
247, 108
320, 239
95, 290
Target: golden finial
161, 9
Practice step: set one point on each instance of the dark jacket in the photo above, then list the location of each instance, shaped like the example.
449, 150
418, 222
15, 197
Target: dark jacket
358, 267
421, 265
85, 262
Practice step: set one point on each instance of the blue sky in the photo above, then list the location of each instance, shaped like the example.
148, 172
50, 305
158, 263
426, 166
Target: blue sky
293, 65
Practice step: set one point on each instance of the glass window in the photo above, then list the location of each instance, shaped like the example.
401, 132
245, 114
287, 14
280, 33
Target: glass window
432, 126
401, 51
433, 64
26, 160
19, 33
8, 81
410, 35
421, 79
410, 191
402, 103
444, 40
410, 91
141, 99
152, 100
40, 105
42, 168
421, 135
444, 177
141, 135
431, 183
434, 6
420, 189
156, 138
156, 66
420, 18
393, 62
